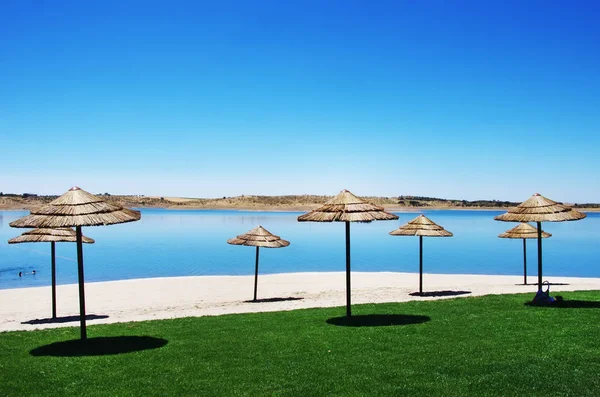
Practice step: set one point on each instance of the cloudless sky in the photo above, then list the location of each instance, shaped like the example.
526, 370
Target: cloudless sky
456, 99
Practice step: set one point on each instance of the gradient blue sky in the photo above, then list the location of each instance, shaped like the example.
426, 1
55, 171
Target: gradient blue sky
456, 99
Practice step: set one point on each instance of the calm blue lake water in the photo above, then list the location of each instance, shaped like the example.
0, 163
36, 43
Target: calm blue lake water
168, 243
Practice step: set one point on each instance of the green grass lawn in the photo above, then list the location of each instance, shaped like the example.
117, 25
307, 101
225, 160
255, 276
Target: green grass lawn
491, 345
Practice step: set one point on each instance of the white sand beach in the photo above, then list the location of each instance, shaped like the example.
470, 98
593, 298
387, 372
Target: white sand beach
163, 298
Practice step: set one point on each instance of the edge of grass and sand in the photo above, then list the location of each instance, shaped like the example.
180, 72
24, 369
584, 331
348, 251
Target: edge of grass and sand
174, 297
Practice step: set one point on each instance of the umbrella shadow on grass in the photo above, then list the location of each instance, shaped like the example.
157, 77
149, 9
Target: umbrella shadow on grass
378, 320
437, 294
568, 304
265, 300
100, 346
64, 319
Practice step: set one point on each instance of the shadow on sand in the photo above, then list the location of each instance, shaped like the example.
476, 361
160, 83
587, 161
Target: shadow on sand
65, 319
265, 300
439, 293
377, 320
99, 346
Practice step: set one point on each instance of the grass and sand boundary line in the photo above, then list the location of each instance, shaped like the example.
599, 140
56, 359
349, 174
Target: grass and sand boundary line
173, 297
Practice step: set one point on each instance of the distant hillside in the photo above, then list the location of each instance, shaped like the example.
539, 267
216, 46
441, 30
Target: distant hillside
29, 200
420, 201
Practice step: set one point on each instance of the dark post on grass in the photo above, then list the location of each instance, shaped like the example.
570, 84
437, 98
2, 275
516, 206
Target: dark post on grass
421, 265
81, 283
539, 230
53, 250
524, 261
348, 303
256, 274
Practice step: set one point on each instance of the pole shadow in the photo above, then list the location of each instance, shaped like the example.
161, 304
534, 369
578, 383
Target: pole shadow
265, 300
64, 319
100, 346
378, 320
438, 294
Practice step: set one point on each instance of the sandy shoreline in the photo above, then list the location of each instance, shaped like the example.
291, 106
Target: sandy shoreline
163, 298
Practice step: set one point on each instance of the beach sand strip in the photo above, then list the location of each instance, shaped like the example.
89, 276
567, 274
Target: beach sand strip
175, 297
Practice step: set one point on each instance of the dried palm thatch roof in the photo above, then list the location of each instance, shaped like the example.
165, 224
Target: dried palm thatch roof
77, 208
523, 230
346, 207
421, 226
259, 237
46, 235
540, 209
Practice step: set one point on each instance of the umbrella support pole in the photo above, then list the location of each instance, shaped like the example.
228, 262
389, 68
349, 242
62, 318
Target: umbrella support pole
524, 262
420, 265
348, 304
81, 284
256, 274
53, 266
539, 230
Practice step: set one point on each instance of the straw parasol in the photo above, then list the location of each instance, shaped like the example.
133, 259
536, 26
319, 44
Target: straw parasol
77, 208
59, 235
540, 209
346, 207
524, 231
423, 227
258, 237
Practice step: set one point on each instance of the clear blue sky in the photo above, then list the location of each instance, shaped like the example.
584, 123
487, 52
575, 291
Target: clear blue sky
457, 99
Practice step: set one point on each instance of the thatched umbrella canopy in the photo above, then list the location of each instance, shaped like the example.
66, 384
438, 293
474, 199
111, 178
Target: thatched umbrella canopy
540, 209
258, 237
77, 208
346, 207
48, 235
423, 227
59, 235
523, 231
